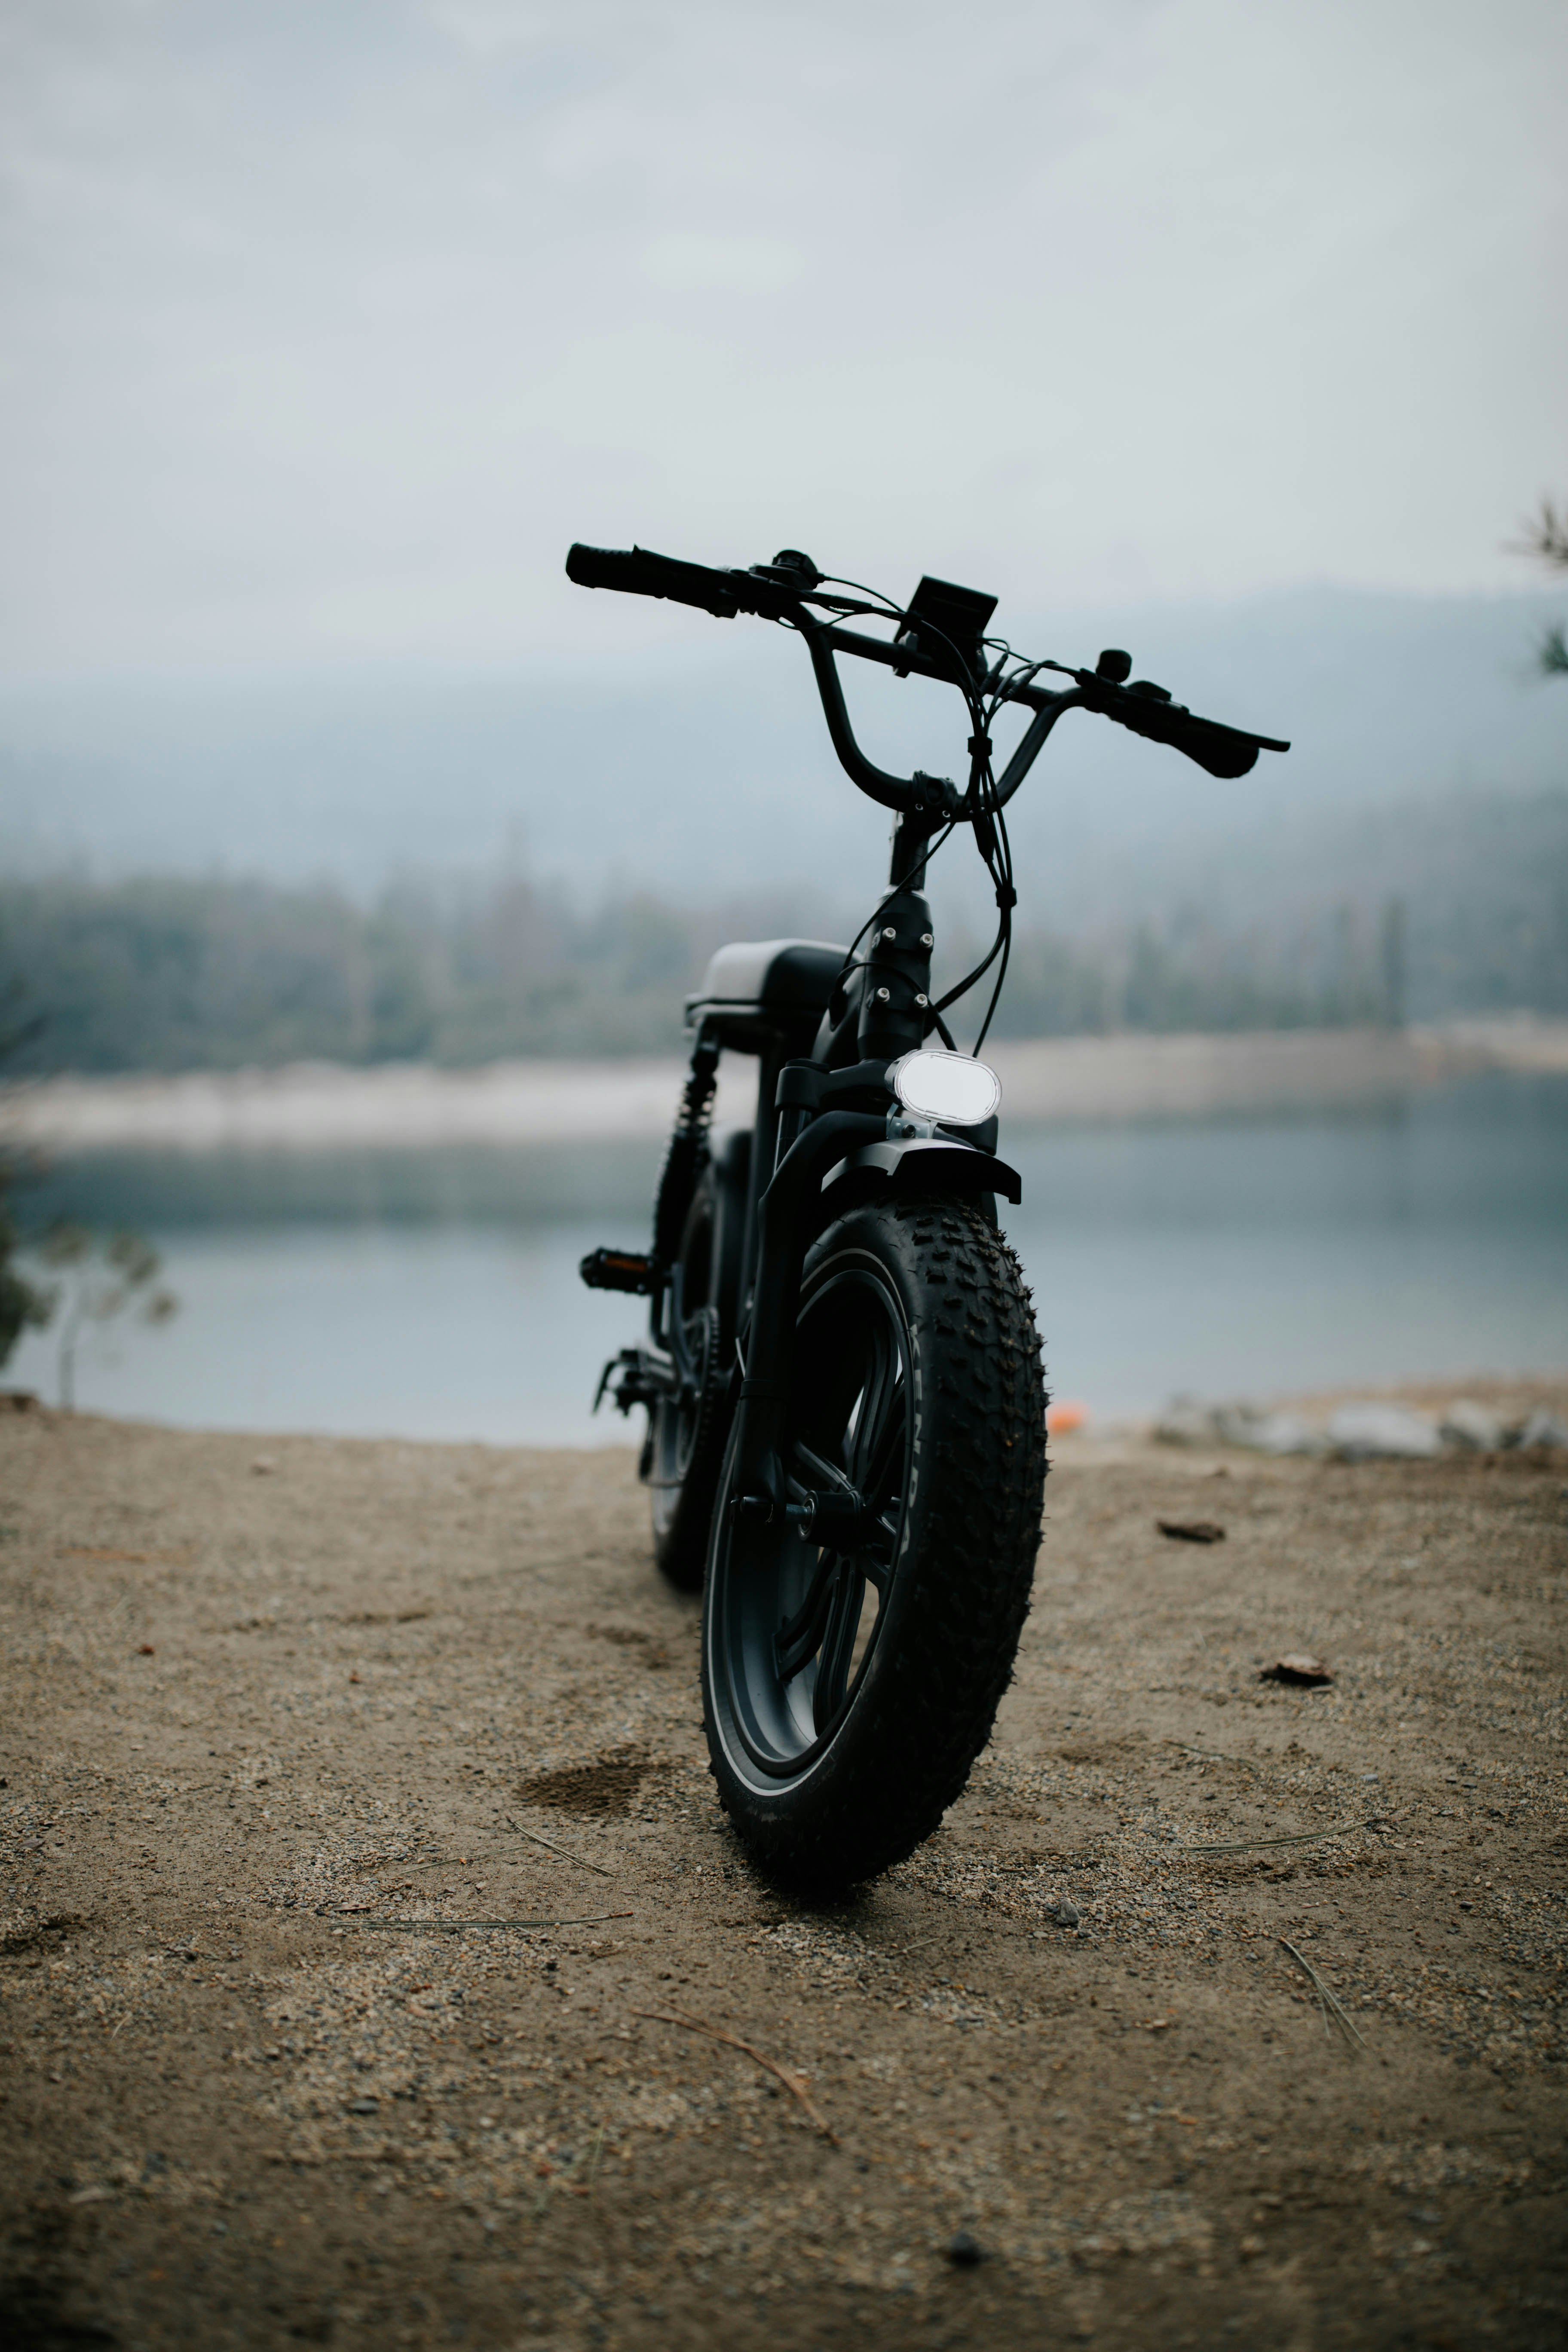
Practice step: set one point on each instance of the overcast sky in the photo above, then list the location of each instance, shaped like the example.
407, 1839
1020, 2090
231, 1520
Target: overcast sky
329, 322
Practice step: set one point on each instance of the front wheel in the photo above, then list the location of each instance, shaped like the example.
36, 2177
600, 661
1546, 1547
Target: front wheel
851, 1673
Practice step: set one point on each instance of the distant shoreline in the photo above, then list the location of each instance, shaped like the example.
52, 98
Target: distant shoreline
318, 1107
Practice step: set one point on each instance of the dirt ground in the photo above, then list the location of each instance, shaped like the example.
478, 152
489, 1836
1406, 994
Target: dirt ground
278, 1715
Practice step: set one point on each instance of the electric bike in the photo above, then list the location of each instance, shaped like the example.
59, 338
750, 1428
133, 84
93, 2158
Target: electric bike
845, 1435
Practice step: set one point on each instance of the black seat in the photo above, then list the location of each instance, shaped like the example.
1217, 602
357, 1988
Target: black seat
757, 988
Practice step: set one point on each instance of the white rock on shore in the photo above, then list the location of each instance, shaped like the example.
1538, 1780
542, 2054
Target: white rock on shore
1382, 1433
1371, 1429
1471, 1428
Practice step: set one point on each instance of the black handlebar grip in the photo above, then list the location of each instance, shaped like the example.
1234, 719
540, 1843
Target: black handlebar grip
638, 572
1221, 751
607, 567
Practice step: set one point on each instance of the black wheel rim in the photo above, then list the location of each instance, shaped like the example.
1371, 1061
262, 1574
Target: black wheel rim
679, 1422
796, 1617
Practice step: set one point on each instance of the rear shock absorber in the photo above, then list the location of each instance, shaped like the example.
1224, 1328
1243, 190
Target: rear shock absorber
688, 1153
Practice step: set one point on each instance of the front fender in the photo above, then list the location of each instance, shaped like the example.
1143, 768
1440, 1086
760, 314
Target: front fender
919, 1163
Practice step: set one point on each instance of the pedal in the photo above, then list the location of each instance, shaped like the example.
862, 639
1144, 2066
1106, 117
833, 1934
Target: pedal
613, 1269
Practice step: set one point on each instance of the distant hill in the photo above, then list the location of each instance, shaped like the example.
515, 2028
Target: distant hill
696, 775
460, 865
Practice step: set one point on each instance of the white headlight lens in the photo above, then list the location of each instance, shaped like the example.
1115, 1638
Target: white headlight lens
950, 1086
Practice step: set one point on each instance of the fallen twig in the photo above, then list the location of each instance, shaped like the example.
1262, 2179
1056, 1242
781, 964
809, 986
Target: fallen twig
1301, 1837
1334, 2009
792, 2083
589, 1919
504, 1853
1212, 1755
565, 1851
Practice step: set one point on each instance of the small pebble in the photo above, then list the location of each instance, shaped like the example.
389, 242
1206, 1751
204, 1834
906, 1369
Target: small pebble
1296, 1667
364, 2106
964, 2250
1068, 1912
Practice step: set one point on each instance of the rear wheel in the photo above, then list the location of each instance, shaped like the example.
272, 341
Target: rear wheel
851, 1672
685, 1448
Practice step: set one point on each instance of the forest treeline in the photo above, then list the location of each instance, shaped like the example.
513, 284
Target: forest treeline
171, 974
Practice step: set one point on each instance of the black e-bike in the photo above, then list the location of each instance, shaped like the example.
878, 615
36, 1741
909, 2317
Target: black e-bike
846, 1439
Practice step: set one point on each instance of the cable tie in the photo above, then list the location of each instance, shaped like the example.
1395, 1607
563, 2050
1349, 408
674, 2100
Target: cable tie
1006, 896
980, 747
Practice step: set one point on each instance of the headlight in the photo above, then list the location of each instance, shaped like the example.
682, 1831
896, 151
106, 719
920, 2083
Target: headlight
953, 1088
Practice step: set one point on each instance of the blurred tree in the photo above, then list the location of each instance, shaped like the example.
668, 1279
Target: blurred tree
1545, 538
101, 1278
21, 1302
1392, 961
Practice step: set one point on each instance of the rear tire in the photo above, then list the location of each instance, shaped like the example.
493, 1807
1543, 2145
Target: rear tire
847, 1693
685, 1448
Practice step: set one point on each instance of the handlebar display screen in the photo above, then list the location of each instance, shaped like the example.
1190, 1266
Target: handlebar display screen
947, 624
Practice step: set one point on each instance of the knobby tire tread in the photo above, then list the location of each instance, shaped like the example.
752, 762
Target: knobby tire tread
961, 1602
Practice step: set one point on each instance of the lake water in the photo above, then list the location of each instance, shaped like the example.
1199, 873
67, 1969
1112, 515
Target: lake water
435, 1294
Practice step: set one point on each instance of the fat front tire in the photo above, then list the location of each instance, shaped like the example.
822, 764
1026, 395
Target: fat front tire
851, 1675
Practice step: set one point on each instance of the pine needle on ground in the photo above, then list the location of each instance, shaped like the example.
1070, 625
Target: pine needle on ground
1334, 2009
794, 2083
451, 1926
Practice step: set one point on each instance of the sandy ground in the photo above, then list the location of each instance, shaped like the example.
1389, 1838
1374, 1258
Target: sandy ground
312, 1107
270, 1716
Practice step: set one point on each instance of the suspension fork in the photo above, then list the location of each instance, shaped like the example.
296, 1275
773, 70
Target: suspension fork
783, 1228
893, 1019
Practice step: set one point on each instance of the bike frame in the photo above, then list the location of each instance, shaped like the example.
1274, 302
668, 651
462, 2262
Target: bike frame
821, 1132
826, 1130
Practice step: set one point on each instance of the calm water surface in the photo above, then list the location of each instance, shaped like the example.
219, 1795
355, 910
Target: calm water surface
435, 1294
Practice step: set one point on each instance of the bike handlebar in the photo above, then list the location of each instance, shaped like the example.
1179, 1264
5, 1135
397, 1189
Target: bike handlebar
638, 572
1149, 712
775, 592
